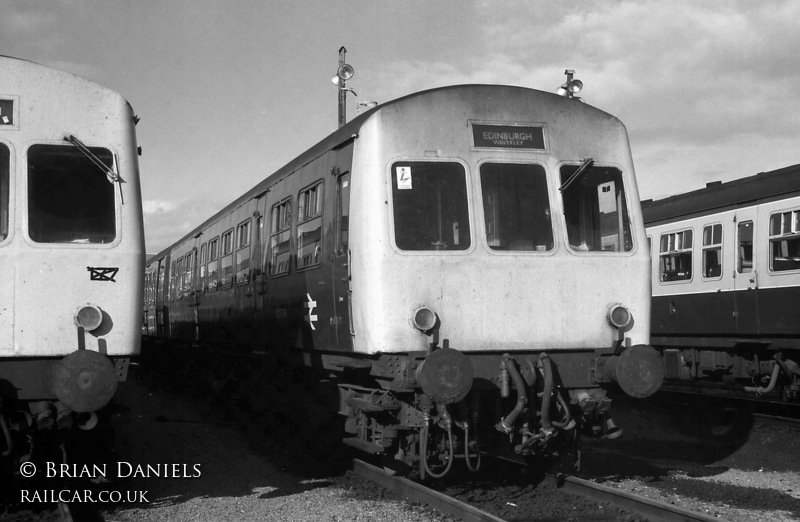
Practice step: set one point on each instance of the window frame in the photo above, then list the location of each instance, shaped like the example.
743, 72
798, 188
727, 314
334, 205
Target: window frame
469, 207
303, 216
115, 198
782, 235
201, 270
279, 211
227, 246
342, 230
188, 268
243, 243
6, 204
484, 232
706, 247
740, 259
675, 253
213, 257
628, 231
172, 281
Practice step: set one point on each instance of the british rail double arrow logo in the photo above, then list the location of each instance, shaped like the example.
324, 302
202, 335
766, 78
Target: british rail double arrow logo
100, 273
311, 317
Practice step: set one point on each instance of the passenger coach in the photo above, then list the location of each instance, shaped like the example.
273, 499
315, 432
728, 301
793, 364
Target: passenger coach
464, 239
726, 280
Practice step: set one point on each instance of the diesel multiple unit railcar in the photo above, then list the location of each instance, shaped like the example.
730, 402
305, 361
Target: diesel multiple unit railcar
465, 267
726, 281
71, 247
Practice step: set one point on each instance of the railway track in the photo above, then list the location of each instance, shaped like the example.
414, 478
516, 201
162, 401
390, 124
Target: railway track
418, 493
775, 420
653, 510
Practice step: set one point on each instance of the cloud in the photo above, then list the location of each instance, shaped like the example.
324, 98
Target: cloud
24, 20
159, 206
166, 221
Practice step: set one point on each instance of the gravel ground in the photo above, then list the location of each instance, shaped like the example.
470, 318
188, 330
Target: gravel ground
245, 476
722, 463
245, 471
705, 459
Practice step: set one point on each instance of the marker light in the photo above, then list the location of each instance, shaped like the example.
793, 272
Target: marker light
424, 319
619, 316
89, 317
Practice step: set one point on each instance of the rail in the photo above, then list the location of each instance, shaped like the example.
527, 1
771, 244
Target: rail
654, 510
419, 493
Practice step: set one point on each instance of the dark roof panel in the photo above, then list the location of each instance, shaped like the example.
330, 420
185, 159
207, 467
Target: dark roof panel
720, 196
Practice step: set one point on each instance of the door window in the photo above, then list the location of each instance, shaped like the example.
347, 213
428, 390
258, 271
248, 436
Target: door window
744, 262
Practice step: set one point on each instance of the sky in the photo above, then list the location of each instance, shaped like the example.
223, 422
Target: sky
228, 91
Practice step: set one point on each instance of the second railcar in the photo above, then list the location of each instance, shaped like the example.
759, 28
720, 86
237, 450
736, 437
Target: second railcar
71, 246
441, 259
726, 275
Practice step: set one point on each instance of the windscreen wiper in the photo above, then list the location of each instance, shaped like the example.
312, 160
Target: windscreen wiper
105, 169
588, 162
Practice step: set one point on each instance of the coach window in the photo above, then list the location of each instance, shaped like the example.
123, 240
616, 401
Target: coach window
161, 282
188, 285
343, 214
4, 185
784, 241
243, 252
676, 256
202, 269
173, 284
744, 262
712, 251
213, 265
595, 209
70, 199
257, 260
516, 207
226, 259
180, 278
280, 237
431, 211
309, 227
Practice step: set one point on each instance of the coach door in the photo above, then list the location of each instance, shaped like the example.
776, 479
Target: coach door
161, 306
194, 289
341, 255
259, 261
745, 276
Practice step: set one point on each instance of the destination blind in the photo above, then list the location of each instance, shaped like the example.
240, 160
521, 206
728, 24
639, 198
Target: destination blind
508, 137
